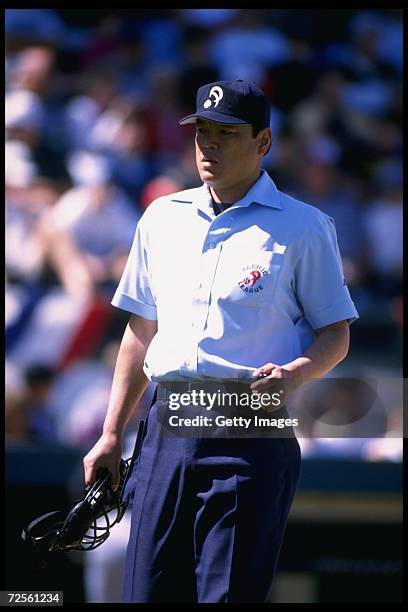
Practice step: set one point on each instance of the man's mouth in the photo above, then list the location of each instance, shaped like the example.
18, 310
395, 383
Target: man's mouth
209, 160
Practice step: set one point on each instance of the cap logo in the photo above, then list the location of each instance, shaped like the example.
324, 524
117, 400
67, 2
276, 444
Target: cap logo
216, 93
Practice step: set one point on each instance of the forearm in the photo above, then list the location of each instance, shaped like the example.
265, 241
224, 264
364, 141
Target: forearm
59, 248
129, 382
328, 349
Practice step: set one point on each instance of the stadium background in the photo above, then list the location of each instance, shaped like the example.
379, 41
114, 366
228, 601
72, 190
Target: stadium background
91, 108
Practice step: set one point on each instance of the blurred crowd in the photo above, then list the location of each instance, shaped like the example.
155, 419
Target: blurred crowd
92, 103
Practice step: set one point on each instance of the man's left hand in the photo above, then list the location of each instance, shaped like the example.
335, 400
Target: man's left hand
272, 378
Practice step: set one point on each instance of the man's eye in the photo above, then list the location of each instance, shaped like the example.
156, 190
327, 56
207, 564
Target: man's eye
226, 132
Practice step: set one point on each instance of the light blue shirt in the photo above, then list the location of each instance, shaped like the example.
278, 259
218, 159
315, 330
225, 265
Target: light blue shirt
234, 291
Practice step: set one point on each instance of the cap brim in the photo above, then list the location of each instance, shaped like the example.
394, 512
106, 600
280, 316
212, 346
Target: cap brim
213, 116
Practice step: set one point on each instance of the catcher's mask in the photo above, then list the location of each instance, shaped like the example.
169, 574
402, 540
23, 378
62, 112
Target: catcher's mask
88, 523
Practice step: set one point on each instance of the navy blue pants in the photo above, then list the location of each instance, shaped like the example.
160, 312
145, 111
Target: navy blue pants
208, 516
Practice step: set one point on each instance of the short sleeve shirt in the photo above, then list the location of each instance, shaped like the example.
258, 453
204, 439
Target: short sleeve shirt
234, 291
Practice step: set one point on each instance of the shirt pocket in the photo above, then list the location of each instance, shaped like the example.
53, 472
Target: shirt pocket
249, 278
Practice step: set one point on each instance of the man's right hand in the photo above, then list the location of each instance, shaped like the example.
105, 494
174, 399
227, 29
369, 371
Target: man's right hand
128, 385
106, 453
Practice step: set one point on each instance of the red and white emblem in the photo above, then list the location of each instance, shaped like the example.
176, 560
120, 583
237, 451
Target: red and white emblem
252, 281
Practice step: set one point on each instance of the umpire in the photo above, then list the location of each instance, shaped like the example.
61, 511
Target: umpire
233, 280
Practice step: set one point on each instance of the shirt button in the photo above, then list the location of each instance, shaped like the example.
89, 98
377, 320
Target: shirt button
211, 245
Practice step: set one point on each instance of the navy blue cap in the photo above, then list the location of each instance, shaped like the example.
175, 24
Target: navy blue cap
231, 102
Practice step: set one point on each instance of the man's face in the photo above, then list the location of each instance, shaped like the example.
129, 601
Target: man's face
227, 155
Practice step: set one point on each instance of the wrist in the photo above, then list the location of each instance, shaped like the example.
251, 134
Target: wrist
299, 369
112, 432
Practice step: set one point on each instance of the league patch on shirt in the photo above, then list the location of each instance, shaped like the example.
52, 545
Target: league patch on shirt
252, 281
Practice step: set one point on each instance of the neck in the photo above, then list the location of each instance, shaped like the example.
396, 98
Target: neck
235, 193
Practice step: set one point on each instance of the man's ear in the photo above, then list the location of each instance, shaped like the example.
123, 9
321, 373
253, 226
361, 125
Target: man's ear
265, 141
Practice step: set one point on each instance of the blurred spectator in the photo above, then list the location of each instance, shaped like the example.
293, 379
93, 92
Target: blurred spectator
94, 222
38, 383
361, 136
123, 133
314, 114
198, 69
28, 413
103, 41
32, 69
324, 112
300, 68
129, 63
164, 113
161, 37
360, 55
81, 395
248, 46
24, 117
20, 169
96, 249
383, 225
28, 201
318, 180
97, 89
384, 27
30, 113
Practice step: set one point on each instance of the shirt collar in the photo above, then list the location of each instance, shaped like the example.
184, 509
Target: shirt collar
263, 192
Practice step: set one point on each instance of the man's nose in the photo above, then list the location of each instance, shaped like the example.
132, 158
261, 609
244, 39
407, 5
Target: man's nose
211, 142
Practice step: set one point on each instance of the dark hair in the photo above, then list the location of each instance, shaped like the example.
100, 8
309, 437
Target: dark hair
255, 130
